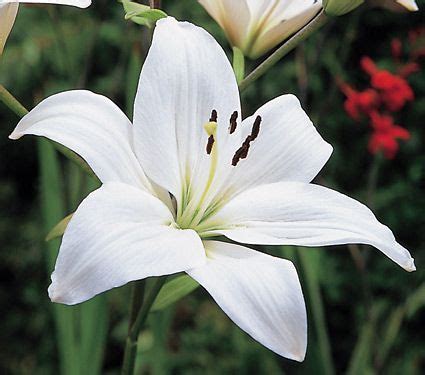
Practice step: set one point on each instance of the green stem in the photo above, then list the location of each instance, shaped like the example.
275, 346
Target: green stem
131, 342
10, 101
238, 64
15, 106
287, 47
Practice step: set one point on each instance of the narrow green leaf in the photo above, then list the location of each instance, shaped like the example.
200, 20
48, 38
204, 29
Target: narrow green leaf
93, 331
361, 359
174, 290
415, 301
52, 208
310, 266
59, 229
388, 338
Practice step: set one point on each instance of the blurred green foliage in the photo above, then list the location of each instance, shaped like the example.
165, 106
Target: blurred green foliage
364, 311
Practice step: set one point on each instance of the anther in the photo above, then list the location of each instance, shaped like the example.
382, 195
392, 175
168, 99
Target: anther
255, 128
210, 144
233, 122
242, 152
213, 117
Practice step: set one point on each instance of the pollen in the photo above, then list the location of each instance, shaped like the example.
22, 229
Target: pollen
233, 123
210, 144
213, 117
242, 152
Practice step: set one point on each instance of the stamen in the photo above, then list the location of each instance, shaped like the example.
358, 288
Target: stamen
211, 127
233, 122
256, 128
210, 144
242, 152
213, 117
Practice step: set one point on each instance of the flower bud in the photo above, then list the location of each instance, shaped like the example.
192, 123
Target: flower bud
257, 26
340, 7
396, 5
8, 13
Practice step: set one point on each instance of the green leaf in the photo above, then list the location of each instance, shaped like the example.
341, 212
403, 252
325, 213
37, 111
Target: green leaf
142, 14
59, 229
174, 290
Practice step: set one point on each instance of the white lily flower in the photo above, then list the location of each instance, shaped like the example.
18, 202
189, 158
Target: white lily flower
9, 9
256, 26
247, 180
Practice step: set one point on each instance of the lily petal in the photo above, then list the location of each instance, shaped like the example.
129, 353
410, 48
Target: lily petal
75, 3
118, 234
291, 213
260, 293
409, 5
189, 74
232, 16
296, 15
288, 147
92, 126
7, 19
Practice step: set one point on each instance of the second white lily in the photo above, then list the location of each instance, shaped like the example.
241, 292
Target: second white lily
256, 26
189, 169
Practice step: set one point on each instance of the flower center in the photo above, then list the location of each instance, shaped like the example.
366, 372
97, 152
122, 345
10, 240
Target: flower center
196, 209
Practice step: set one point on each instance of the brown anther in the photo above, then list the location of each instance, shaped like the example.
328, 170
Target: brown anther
233, 122
242, 152
236, 157
213, 117
256, 128
210, 144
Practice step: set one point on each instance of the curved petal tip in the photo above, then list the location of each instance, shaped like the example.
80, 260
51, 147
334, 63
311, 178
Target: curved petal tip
410, 265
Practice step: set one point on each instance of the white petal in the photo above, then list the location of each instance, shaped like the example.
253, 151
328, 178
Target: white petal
409, 5
76, 3
260, 293
294, 213
233, 17
93, 127
288, 147
185, 76
285, 21
118, 234
7, 18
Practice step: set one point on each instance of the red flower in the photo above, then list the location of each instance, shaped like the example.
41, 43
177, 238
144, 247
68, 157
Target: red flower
359, 102
394, 90
385, 135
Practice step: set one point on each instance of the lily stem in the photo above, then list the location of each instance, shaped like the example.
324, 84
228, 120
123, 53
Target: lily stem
130, 352
287, 47
238, 64
11, 102
16, 107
